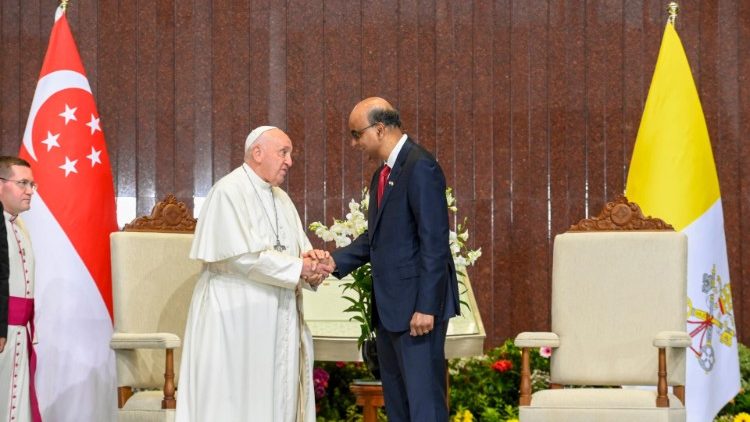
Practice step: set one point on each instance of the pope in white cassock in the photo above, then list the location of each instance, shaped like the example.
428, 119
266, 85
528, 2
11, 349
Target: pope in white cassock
247, 354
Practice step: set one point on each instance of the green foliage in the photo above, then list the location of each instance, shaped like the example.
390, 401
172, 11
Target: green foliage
741, 402
487, 394
492, 393
338, 404
361, 285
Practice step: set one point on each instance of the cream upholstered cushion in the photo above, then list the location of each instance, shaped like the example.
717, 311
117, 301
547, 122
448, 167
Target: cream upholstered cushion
612, 293
145, 406
597, 405
599, 398
146, 415
152, 281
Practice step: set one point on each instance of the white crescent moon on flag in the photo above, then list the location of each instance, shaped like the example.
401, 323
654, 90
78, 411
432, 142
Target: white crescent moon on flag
48, 86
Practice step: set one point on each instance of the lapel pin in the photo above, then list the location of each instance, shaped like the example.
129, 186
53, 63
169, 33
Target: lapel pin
390, 183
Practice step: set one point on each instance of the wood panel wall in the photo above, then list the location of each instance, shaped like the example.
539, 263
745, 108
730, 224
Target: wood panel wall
531, 106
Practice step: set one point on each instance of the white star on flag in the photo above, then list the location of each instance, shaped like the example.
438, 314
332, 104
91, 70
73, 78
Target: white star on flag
69, 166
94, 124
51, 141
69, 114
94, 156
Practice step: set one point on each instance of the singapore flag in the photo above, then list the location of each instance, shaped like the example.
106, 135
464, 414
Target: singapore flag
70, 220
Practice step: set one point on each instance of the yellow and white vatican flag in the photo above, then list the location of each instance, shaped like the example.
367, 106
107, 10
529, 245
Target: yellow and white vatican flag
672, 176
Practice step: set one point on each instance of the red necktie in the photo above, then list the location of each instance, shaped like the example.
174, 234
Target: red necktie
384, 173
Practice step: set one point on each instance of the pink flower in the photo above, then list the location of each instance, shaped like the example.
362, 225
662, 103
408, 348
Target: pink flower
502, 365
320, 382
340, 364
545, 352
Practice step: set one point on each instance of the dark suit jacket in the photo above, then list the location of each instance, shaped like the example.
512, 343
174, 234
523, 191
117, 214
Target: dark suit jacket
4, 274
407, 244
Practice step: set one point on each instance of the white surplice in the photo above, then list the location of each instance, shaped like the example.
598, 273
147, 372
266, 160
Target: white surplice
247, 354
15, 377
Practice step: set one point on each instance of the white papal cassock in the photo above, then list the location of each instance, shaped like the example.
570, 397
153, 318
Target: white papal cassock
15, 369
247, 353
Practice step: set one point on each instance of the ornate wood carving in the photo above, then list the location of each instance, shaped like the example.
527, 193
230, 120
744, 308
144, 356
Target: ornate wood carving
169, 215
621, 214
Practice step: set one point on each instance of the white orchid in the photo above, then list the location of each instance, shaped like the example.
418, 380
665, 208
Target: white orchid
451, 200
455, 249
460, 261
472, 256
342, 241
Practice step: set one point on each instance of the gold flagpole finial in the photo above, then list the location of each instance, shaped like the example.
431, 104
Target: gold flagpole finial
673, 9
64, 5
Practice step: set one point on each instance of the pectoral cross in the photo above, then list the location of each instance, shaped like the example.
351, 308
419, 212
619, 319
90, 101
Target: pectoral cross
279, 247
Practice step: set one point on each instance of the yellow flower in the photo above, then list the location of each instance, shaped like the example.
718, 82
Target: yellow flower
742, 417
464, 416
512, 420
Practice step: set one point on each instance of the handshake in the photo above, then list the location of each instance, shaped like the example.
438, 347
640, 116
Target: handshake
317, 265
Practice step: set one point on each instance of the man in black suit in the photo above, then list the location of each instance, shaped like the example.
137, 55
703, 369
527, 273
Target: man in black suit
414, 277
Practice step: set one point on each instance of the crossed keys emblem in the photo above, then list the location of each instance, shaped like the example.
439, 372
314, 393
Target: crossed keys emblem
718, 319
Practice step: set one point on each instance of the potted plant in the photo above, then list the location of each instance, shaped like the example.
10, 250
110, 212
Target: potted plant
342, 232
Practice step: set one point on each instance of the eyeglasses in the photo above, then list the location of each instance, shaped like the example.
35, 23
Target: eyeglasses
23, 183
356, 134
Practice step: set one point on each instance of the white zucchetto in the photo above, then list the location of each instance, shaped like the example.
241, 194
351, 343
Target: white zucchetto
255, 134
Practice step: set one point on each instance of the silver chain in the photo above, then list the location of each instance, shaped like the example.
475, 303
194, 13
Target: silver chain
278, 246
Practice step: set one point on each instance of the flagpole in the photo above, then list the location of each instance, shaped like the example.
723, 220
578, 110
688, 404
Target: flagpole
673, 9
64, 5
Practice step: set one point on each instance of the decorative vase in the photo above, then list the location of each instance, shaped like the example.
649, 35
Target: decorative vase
370, 356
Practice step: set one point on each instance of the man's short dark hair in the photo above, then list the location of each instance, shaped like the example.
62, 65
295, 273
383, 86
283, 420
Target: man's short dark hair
7, 161
388, 117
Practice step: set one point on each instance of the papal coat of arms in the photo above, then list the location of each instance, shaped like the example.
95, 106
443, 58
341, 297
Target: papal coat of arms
716, 321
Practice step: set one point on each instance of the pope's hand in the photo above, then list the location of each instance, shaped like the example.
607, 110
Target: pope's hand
316, 280
309, 267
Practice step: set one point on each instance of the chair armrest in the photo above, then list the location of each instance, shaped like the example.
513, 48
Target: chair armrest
672, 339
126, 341
537, 339
525, 341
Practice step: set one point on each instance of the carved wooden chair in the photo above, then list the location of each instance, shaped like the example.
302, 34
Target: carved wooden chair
152, 281
618, 319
